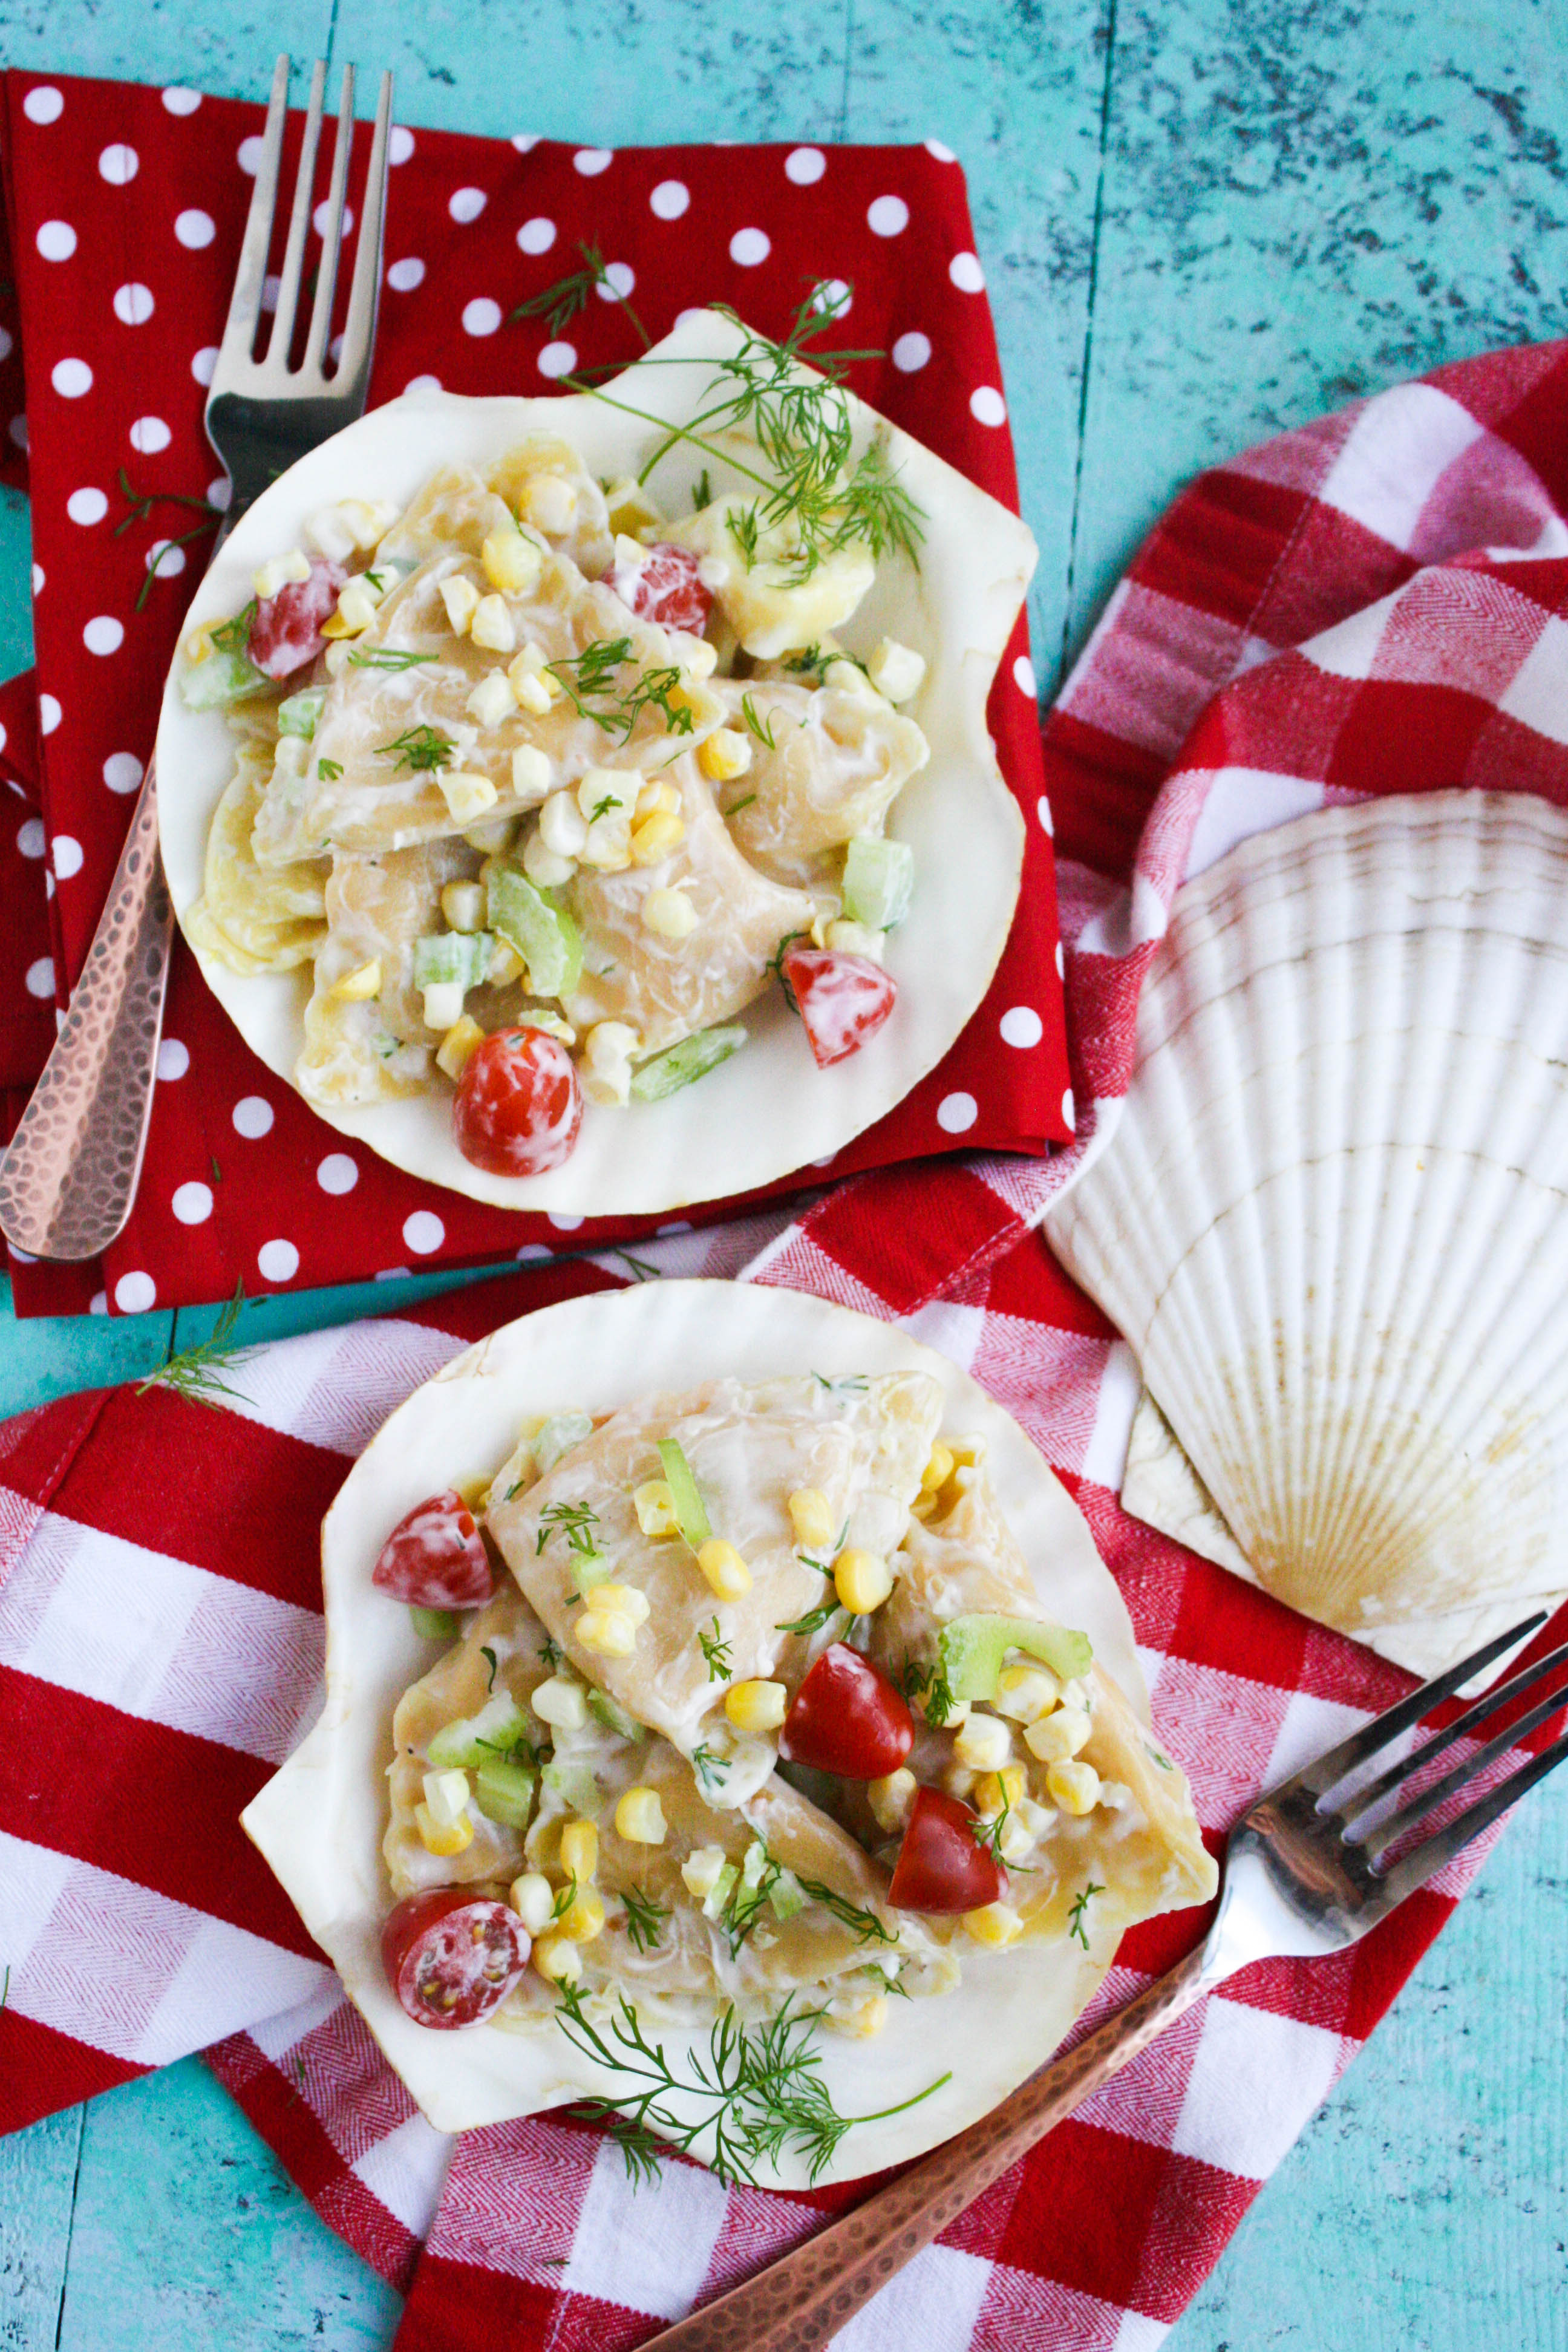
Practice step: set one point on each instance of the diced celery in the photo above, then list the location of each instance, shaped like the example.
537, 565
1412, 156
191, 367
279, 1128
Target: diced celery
543, 934
786, 1895
680, 1065
613, 1716
574, 1784
298, 713
688, 1505
222, 679
878, 882
503, 1789
586, 1569
557, 1436
437, 1624
497, 1726
972, 1650
451, 959
719, 1894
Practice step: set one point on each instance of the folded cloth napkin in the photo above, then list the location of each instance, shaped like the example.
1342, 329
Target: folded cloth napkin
127, 207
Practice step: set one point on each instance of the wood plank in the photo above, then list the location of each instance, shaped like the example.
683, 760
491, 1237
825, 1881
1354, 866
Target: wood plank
38, 2188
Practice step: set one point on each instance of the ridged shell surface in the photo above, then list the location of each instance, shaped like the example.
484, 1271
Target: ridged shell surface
1332, 1221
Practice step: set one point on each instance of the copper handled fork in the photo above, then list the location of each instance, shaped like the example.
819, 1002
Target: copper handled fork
1307, 1871
67, 1182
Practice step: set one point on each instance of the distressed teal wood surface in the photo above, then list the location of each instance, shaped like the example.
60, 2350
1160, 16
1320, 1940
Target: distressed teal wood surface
1201, 221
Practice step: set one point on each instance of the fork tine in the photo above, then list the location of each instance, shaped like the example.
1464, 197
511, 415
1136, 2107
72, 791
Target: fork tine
365, 293
1326, 1773
299, 220
1368, 1798
332, 235
1418, 1866
245, 303
1390, 1831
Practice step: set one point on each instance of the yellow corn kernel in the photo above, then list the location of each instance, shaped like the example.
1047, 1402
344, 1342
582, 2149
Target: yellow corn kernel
658, 797
726, 1571
983, 1743
557, 1958
811, 1516
357, 602
1023, 1694
549, 503
278, 572
655, 1507
358, 985
998, 1792
892, 1798
997, 1924
467, 793
622, 1601
334, 625
505, 966
862, 1580
1057, 1737
670, 913
655, 836
701, 1869
1074, 1786
631, 509
442, 1837
584, 1918
461, 599
958, 1781
640, 1818
457, 1047
511, 562
938, 1470
198, 646
967, 1452
473, 1492
725, 754
580, 1851
492, 625
534, 1899
861, 2019
607, 1635
757, 1705
463, 905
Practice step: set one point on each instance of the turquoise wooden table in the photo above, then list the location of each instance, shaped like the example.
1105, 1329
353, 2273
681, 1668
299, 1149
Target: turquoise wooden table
1201, 222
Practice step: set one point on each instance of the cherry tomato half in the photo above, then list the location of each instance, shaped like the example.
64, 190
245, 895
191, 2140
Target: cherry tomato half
848, 1718
286, 629
451, 1957
520, 1104
843, 999
435, 1556
665, 587
941, 1865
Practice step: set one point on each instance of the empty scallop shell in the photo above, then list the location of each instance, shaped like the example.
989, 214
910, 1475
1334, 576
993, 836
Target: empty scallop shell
1331, 1218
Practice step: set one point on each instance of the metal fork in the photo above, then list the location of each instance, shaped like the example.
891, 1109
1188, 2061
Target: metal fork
1306, 1871
67, 1182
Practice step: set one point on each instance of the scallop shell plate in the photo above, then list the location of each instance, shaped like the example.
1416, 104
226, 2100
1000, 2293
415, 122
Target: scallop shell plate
1331, 1220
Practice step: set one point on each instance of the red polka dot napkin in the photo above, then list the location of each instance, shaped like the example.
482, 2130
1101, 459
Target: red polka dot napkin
127, 207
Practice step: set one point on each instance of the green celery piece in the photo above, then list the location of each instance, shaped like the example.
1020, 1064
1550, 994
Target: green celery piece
543, 934
690, 1509
557, 1436
878, 882
437, 1624
972, 1650
719, 1894
504, 1791
574, 1784
586, 1569
786, 1895
681, 1064
443, 956
222, 679
468, 1742
606, 1710
298, 714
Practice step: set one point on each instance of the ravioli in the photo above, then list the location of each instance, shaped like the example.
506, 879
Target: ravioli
253, 921
836, 762
543, 480
375, 1048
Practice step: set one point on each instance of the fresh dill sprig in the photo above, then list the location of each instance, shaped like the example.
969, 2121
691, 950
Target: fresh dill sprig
865, 1924
814, 1619
559, 304
575, 1521
736, 806
328, 770
551, 1653
743, 528
1075, 1924
195, 1373
764, 734
388, 657
421, 749
588, 681
712, 1769
757, 2091
716, 1651
645, 1918
701, 492
486, 1652
141, 503
928, 1688
233, 634
851, 1385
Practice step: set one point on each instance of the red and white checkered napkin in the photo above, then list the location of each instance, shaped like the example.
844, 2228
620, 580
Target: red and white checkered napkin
127, 207
160, 1649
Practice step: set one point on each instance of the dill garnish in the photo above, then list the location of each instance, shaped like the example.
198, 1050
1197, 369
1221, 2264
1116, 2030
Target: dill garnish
588, 681
763, 734
195, 1373
701, 492
736, 806
420, 749
388, 657
814, 1619
928, 1688
575, 1521
559, 304
712, 1769
865, 1924
141, 503
486, 1652
716, 1651
551, 1653
1075, 1924
645, 1918
234, 636
328, 770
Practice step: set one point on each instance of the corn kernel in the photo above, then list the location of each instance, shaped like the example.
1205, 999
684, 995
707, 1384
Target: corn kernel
279, 572
724, 755
198, 646
467, 793
357, 601
334, 625
958, 1781
336, 658
604, 792
357, 986
561, 1702
983, 1743
446, 1795
631, 509
553, 1025
584, 1918
996, 1924
726, 1571
655, 1507
938, 1470
534, 1899
655, 836
505, 966
511, 561
862, 1580
1054, 1738
757, 1705
542, 864
640, 1818
580, 1851
607, 1635
1074, 1786
669, 914
998, 1792
491, 626
557, 1958
702, 658
1023, 1694
896, 671
443, 1004
861, 2019
702, 1869
968, 1451
442, 1837
657, 796
563, 825
463, 906
622, 1601
1015, 1840
549, 503
811, 1518
461, 599
532, 694
609, 842
855, 939
892, 1798
608, 1041
492, 699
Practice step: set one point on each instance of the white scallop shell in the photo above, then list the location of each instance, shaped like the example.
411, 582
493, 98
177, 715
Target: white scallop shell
1332, 1219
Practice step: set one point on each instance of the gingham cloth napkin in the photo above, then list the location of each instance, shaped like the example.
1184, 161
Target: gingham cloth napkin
158, 1642
127, 206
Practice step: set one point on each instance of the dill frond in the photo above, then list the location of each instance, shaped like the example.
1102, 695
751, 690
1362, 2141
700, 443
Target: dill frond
195, 1373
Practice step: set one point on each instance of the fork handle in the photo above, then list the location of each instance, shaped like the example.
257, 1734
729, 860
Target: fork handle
799, 2301
68, 1180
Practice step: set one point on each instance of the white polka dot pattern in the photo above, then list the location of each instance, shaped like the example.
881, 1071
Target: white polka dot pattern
123, 771
1024, 676
481, 316
399, 144
889, 217
135, 1292
1070, 1111
337, 1174
253, 1116
149, 434
592, 161
179, 100
1043, 811
103, 635
557, 360
71, 378
44, 104
749, 246
133, 304
65, 856
30, 837
987, 406
669, 200
173, 1058
536, 236
406, 275
203, 365
911, 351
424, 1232
1021, 1026
49, 713
193, 1203
466, 203
956, 1113
277, 1261
966, 273
804, 166
55, 240
119, 165
40, 977
564, 1225
194, 229
87, 507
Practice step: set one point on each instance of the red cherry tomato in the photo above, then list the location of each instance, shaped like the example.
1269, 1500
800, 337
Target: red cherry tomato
848, 1718
286, 629
436, 1558
518, 1104
843, 999
665, 588
452, 1957
941, 1865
